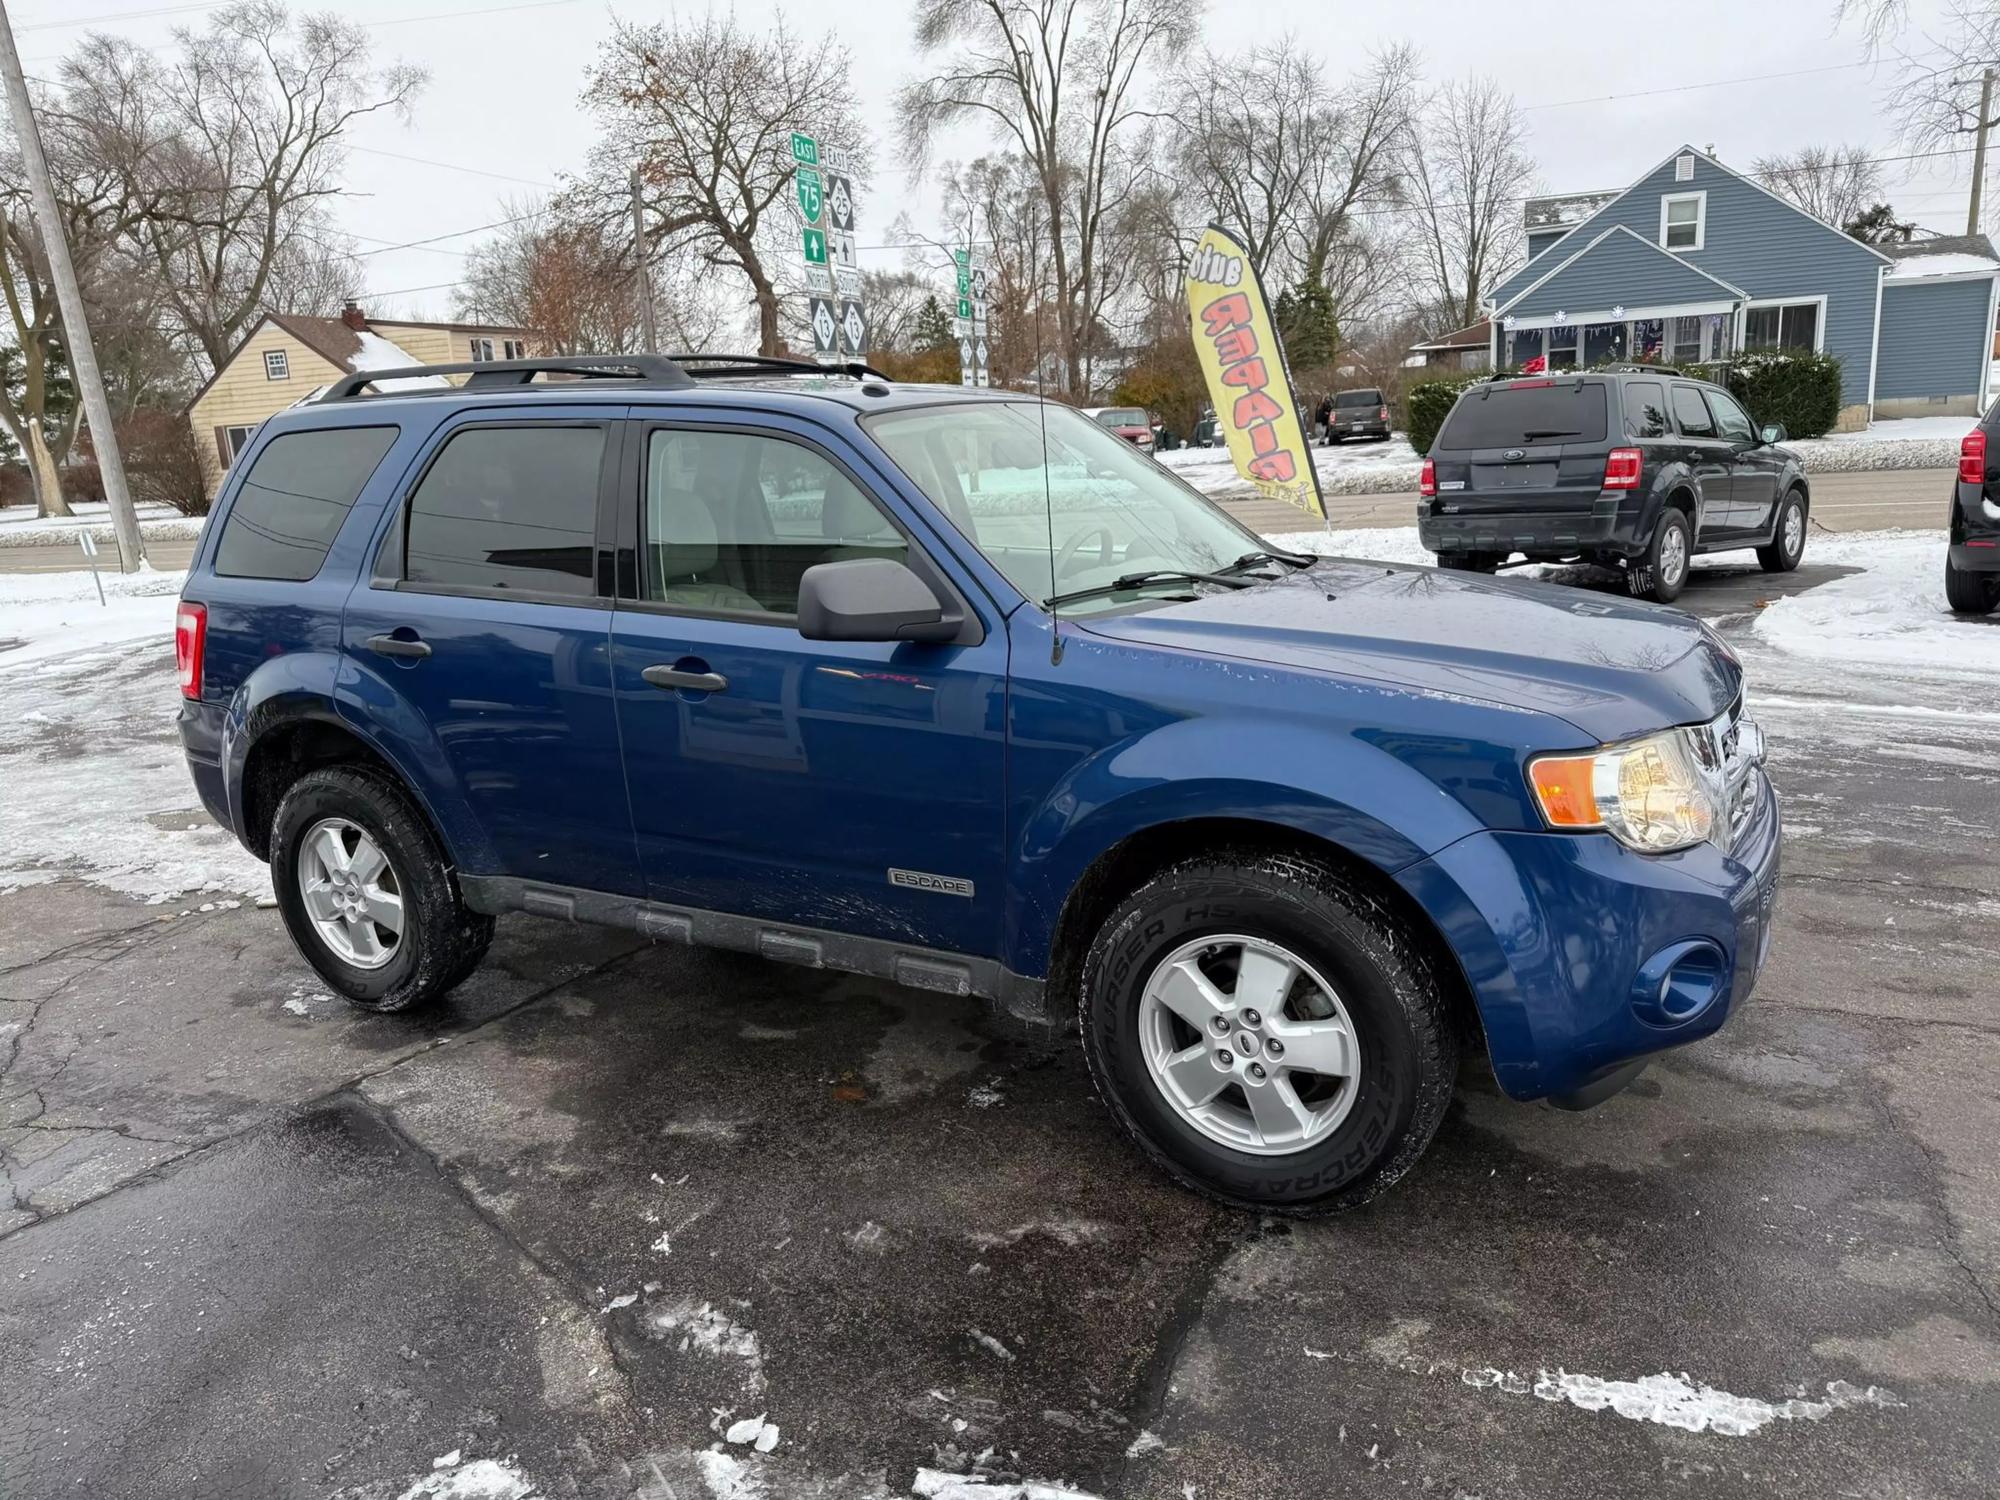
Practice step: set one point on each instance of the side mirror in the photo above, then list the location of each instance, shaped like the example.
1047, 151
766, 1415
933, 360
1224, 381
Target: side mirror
1774, 433
871, 599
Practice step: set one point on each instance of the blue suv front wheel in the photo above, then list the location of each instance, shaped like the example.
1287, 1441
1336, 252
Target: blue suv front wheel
1269, 1031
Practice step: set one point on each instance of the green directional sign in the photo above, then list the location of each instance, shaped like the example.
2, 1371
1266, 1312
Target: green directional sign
805, 149
963, 258
806, 182
964, 283
965, 307
815, 241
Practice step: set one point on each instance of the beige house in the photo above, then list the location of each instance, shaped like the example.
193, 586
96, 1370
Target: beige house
287, 357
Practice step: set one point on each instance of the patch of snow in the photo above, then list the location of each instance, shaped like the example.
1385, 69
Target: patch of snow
986, 1095
705, 1329
378, 353
1067, 1232
991, 1345
1674, 1401
1892, 613
1903, 430
481, 1479
297, 1006
1146, 1442
1946, 263
935, 1484
623, 1300
24, 526
50, 615
1356, 467
754, 1431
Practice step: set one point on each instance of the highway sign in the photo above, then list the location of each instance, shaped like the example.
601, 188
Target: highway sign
965, 366
965, 307
815, 246
847, 281
979, 352
811, 193
853, 328
840, 202
805, 149
965, 283
978, 279
962, 258
826, 331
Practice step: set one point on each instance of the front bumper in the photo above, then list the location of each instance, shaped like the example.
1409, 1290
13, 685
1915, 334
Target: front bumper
1553, 932
1606, 527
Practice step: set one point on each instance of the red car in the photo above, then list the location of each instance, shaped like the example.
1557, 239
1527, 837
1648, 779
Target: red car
1132, 423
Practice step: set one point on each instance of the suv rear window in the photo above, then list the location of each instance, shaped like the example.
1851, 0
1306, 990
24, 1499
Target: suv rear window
1512, 416
1358, 398
509, 509
293, 500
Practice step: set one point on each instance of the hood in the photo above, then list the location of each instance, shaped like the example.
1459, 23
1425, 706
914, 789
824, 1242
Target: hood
1614, 668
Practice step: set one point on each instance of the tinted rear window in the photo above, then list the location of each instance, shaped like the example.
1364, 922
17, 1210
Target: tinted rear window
1645, 409
1122, 416
293, 501
1507, 416
509, 508
1358, 398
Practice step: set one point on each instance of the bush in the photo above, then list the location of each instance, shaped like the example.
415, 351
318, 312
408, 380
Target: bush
1800, 390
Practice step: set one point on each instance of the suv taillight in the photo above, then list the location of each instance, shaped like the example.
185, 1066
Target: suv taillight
1621, 468
1972, 457
1383, 414
1427, 482
190, 639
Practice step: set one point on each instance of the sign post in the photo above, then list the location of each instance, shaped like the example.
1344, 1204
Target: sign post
824, 197
969, 281
89, 545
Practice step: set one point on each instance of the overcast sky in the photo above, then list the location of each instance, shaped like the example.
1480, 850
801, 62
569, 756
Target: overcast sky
505, 76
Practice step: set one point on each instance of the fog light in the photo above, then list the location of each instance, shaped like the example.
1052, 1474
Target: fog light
1679, 982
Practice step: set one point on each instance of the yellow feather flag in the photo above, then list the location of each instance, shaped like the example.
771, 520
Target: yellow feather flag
1244, 362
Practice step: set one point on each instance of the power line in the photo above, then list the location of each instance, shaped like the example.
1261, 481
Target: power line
1683, 88
206, 5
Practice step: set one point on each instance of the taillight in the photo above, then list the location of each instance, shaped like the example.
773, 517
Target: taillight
190, 639
1427, 483
1621, 468
1383, 414
1972, 457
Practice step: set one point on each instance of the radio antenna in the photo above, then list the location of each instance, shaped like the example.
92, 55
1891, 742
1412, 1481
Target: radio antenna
1048, 489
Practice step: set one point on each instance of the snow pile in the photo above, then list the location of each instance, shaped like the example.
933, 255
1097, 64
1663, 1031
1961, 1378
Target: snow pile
1890, 614
1354, 468
46, 615
22, 526
480, 1479
1675, 1401
1946, 263
378, 353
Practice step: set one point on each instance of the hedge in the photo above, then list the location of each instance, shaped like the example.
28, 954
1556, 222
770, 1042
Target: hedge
1799, 390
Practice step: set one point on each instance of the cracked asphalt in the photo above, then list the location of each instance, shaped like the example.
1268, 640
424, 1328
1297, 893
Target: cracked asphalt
614, 1197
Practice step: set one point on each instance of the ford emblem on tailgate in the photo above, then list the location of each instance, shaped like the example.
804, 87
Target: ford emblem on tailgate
1513, 453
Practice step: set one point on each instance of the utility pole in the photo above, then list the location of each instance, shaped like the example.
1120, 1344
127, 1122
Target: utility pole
645, 280
1979, 151
69, 297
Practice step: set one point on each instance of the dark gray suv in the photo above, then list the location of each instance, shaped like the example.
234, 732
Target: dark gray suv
1638, 469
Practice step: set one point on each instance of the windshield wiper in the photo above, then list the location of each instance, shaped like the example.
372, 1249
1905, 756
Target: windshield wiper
1127, 581
1530, 434
1251, 559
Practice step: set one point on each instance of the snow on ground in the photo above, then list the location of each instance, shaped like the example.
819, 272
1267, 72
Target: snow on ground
1362, 467
22, 526
1891, 614
96, 785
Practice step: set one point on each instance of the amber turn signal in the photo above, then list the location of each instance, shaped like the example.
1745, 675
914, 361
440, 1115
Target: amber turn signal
1564, 786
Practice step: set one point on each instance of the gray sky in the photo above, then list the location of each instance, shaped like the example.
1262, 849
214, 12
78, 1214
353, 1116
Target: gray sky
502, 96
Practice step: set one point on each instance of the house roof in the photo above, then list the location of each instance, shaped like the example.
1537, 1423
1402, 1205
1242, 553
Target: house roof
1473, 336
351, 349
1563, 210
1612, 233
1954, 255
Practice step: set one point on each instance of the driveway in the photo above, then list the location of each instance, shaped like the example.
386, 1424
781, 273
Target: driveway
559, 1237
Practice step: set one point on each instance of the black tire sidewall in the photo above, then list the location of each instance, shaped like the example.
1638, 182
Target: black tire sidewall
1356, 961
429, 901
1657, 585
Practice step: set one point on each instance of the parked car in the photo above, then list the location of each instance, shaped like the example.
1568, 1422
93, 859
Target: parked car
1363, 412
1132, 423
1972, 557
749, 655
1638, 469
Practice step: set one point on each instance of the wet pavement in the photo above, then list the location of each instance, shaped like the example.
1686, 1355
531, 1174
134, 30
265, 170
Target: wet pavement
612, 1199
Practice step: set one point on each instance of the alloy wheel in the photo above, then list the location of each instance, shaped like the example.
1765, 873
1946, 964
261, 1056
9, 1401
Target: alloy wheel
351, 893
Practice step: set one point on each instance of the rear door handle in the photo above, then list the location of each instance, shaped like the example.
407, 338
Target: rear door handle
396, 645
693, 682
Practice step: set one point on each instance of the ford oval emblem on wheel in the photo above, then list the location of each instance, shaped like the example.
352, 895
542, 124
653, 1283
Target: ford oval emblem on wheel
1513, 453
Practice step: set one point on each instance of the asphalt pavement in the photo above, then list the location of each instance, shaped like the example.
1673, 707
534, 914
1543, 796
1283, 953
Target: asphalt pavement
612, 1199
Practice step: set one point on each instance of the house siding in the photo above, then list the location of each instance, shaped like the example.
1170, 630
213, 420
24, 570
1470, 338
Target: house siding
1540, 240
242, 396
1753, 241
1934, 341
1619, 271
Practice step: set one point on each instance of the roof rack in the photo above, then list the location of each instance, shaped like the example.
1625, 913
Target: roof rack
665, 371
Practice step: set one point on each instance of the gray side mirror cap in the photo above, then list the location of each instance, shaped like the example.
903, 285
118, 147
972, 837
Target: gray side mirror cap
871, 599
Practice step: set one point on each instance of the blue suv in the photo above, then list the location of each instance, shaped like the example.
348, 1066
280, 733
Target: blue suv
956, 689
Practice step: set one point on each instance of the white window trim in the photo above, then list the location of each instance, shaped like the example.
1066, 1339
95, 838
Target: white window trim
478, 357
1700, 201
284, 364
1626, 314
1819, 320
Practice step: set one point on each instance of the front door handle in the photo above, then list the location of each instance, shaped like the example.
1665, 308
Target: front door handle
693, 682
396, 645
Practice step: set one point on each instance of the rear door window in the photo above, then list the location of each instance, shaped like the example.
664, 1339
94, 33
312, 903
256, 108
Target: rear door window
509, 510
1691, 412
293, 500
1348, 399
1730, 419
1645, 409
1515, 416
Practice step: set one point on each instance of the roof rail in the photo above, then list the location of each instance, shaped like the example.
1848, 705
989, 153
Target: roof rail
642, 369
750, 364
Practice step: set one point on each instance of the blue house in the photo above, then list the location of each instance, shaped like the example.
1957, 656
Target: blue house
1696, 261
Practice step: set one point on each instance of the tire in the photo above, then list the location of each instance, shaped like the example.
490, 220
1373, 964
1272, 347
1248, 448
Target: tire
1788, 538
1673, 539
1970, 593
439, 942
1369, 1127
1470, 562
1332, 440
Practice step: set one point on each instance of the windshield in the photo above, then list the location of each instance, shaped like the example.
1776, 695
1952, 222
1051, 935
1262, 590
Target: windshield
1108, 509
1121, 416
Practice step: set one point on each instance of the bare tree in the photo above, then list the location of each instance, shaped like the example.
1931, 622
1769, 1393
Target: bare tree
1467, 173
1835, 184
1062, 81
257, 109
706, 111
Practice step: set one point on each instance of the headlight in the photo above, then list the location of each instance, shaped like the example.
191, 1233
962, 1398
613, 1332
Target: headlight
1658, 794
